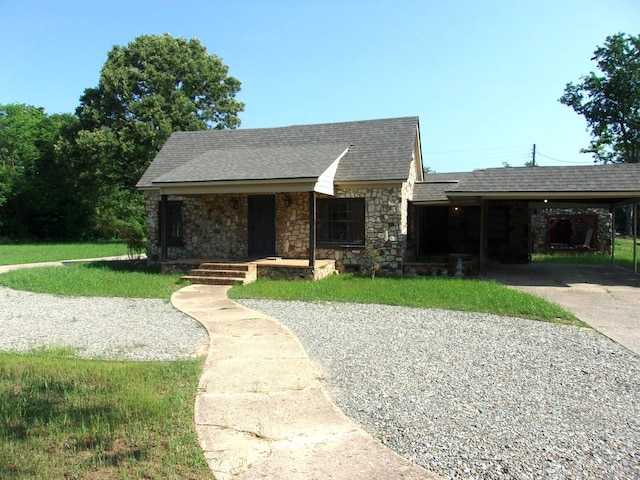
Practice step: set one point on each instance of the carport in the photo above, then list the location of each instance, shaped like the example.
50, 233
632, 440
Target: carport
486, 213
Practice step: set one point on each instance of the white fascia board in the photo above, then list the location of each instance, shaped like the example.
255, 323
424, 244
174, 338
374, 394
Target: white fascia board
541, 195
254, 186
325, 180
417, 156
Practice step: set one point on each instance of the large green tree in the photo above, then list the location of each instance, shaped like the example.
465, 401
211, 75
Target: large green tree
155, 85
38, 196
610, 100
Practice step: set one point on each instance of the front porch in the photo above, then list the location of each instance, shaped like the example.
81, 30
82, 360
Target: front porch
230, 271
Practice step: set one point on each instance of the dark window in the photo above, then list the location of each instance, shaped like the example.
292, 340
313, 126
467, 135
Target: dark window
174, 223
340, 221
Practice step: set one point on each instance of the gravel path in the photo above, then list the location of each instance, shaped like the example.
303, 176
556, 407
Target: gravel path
96, 327
471, 396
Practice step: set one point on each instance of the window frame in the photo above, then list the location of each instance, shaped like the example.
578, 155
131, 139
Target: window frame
340, 222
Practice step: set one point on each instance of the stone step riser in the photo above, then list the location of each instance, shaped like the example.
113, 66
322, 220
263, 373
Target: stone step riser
201, 272
222, 274
199, 280
225, 266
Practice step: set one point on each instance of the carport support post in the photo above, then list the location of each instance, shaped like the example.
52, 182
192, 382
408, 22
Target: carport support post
163, 227
613, 235
484, 235
634, 226
312, 228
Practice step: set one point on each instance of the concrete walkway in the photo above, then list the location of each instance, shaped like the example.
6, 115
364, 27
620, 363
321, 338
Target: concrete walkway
261, 411
60, 263
605, 297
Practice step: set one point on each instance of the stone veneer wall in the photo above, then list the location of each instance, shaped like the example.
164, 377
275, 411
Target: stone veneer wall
292, 225
215, 226
539, 227
385, 230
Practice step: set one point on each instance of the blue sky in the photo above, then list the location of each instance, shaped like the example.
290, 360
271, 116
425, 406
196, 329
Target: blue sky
483, 76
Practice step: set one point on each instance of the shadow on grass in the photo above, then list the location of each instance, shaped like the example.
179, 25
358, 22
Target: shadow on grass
125, 266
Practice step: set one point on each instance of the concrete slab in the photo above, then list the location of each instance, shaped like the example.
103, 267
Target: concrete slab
256, 347
264, 375
275, 416
353, 456
605, 297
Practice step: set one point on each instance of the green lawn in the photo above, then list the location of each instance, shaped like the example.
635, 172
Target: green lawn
427, 292
623, 256
18, 253
62, 417
129, 279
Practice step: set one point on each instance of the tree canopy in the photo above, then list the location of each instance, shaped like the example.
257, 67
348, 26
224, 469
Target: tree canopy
152, 87
66, 176
148, 89
610, 100
37, 189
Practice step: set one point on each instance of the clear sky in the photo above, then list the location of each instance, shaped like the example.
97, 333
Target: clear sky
483, 76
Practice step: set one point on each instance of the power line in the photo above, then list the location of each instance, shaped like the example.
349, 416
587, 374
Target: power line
557, 159
475, 150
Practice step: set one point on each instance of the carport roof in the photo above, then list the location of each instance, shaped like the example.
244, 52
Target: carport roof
611, 183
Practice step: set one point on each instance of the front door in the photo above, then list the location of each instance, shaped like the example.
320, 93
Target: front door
262, 225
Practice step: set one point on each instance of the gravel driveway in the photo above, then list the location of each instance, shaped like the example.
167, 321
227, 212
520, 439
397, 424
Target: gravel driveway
97, 327
470, 395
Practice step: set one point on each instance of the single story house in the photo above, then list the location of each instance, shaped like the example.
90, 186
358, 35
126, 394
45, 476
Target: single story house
341, 193
331, 191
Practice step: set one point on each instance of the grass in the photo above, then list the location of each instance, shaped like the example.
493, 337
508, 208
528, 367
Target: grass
63, 417
447, 293
18, 253
129, 279
623, 256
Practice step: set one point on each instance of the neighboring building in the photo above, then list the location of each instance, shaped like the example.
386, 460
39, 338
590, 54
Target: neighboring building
340, 191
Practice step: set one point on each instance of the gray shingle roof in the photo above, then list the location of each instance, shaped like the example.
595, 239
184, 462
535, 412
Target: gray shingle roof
613, 180
435, 186
592, 178
378, 150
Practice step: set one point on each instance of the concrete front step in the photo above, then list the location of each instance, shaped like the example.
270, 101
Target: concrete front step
202, 280
222, 273
208, 272
241, 267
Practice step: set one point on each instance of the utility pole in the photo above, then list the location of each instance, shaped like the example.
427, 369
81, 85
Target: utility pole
533, 156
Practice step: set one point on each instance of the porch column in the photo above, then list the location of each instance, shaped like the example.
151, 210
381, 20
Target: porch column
613, 235
484, 235
163, 227
634, 226
312, 228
